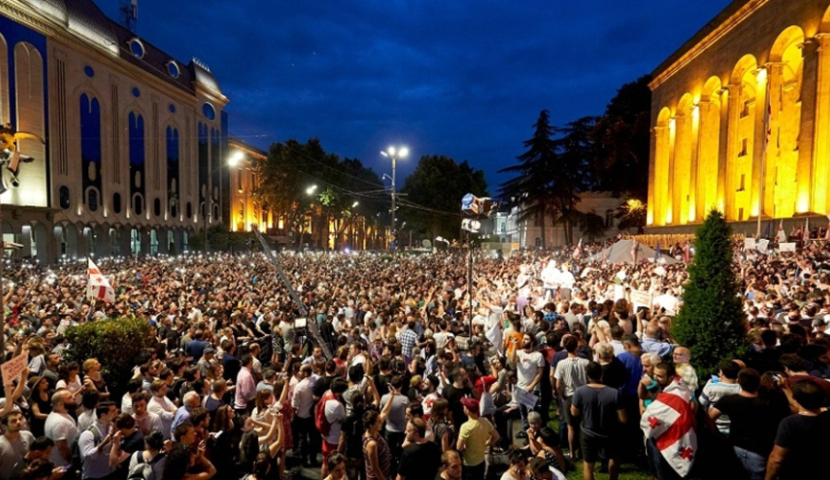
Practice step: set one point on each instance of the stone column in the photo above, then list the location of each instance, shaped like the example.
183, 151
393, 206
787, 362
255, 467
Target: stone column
818, 51
730, 147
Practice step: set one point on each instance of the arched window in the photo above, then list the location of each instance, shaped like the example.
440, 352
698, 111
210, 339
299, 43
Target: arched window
92, 200
172, 141
90, 148
64, 197
116, 203
137, 151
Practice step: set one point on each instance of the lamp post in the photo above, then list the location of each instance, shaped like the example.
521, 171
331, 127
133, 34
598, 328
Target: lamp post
232, 162
394, 154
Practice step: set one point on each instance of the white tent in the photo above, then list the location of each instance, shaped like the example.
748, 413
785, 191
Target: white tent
621, 252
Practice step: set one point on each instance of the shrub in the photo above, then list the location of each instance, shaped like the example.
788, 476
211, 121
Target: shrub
711, 322
117, 343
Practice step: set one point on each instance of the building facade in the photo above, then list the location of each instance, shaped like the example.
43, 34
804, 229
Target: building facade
527, 233
134, 141
741, 117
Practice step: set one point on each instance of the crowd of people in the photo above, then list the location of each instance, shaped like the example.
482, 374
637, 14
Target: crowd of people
396, 373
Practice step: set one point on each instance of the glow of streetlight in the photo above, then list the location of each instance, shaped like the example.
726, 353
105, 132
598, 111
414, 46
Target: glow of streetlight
355, 204
236, 158
403, 152
310, 189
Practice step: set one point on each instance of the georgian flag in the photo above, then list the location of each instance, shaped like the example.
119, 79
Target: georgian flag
670, 422
578, 250
98, 287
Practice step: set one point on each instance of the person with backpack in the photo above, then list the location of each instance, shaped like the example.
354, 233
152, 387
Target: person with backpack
148, 464
328, 417
95, 443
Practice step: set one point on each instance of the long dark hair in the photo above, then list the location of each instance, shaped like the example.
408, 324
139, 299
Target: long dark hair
178, 460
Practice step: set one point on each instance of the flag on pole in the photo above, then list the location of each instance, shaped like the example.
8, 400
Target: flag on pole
768, 230
806, 236
98, 287
781, 236
578, 250
657, 252
669, 421
634, 251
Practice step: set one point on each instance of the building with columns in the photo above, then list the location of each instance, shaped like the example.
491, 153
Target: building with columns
134, 142
741, 117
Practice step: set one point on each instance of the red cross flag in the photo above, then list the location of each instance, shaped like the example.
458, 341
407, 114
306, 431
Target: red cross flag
578, 251
670, 422
98, 287
781, 236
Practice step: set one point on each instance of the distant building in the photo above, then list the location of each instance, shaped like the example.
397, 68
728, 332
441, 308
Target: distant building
135, 140
743, 107
528, 233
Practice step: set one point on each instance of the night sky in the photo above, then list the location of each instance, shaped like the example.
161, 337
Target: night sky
460, 78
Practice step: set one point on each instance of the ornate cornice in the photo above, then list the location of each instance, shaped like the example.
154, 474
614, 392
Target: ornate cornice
23, 14
664, 72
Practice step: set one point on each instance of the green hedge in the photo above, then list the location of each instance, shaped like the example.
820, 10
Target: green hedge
117, 343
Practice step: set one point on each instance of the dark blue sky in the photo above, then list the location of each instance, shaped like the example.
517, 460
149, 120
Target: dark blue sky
460, 78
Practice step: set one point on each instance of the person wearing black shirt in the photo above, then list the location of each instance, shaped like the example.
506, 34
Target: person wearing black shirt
802, 439
753, 422
420, 459
459, 389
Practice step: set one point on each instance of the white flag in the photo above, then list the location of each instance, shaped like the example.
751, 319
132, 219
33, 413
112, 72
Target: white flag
98, 287
781, 236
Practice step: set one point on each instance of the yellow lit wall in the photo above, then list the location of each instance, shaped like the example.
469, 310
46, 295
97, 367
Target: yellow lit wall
744, 108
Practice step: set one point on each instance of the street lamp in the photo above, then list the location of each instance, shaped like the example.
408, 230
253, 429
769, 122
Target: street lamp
310, 190
394, 154
233, 161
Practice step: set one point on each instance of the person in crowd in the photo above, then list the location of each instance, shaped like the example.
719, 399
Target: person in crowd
14, 443
474, 437
61, 428
568, 376
601, 414
420, 458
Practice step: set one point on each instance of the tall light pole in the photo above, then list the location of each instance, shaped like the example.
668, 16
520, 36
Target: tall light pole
232, 162
394, 154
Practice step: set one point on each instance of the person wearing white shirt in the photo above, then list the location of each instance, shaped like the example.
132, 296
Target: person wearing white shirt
162, 406
302, 401
145, 420
95, 443
61, 428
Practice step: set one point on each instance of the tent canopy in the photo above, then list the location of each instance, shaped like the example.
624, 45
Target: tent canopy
620, 252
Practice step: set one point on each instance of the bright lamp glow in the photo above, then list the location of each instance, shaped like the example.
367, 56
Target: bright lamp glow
236, 158
391, 151
403, 152
355, 204
310, 189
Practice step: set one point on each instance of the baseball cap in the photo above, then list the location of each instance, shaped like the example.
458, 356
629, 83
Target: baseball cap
208, 350
471, 404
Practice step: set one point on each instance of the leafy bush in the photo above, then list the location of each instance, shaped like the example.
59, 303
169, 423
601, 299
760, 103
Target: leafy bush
117, 343
711, 322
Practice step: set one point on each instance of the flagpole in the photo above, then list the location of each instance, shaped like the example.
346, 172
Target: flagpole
768, 134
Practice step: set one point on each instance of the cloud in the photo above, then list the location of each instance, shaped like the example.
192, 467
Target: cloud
462, 78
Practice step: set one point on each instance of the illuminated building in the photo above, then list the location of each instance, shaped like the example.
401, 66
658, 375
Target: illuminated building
135, 139
741, 109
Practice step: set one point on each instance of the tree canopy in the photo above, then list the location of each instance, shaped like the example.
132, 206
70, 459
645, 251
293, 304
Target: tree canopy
431, 200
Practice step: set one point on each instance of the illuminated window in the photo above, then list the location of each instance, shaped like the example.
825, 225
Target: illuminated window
173, 69
744, 147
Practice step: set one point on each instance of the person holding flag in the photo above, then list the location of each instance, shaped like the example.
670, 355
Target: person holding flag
98, 288
781, 236
657, 252
578, 251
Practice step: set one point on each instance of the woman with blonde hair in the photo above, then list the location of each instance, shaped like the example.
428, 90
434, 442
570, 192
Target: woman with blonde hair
92, 367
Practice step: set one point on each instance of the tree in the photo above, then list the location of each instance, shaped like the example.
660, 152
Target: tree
117, 343
592, 225
711, 321
530, 189
575, 151
622, 138
431, 195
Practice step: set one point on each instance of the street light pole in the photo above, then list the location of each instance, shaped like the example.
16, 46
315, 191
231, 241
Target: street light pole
232, 162
392, 153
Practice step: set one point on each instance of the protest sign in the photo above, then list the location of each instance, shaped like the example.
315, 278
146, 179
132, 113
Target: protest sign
787, 247
641, 298
13, 368
527, 399
762, 245
749, 243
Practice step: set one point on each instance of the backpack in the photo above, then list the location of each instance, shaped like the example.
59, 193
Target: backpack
143, 470
76, 459
320, 420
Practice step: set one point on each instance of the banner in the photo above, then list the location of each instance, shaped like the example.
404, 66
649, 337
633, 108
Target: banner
523, 398
13, 368
749, 243
787, 247
762, 245
640, 298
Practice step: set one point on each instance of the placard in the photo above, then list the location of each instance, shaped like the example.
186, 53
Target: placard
749, 243
527, 399
762, 246
787, 247
13, 368
641, 298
